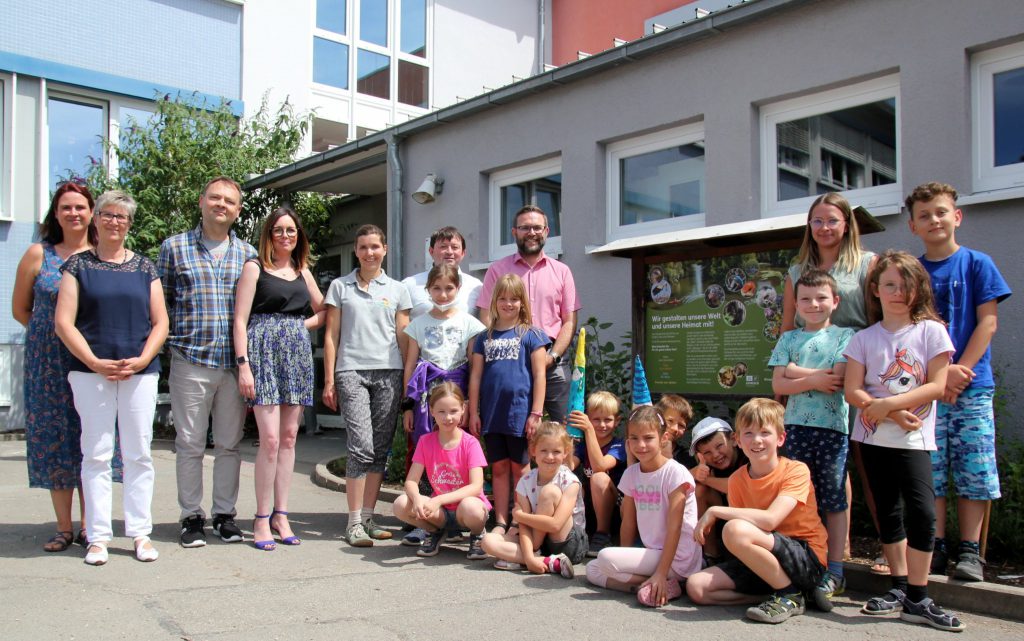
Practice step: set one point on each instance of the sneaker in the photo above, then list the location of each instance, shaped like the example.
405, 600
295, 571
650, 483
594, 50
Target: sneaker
830, 586
777, 608
415, 537
375, 531
598, 542
889, 603
502, 564
560, 564
224, 527
940, 558
454, 535
969, 567
357, 536
192, 535
432, 544
476, 552
644, 596
930, 614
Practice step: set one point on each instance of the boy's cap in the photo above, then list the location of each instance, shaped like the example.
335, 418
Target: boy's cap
705, 428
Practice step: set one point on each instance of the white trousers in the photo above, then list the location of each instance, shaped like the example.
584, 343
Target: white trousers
130, 405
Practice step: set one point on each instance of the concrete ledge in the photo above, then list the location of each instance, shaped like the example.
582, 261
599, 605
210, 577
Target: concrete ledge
992, 599
324, 478
17, 435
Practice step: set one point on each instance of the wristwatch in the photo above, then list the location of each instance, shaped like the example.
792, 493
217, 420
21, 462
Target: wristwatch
241, 360
555, 356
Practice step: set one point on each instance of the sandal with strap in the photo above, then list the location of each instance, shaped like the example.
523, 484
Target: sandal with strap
59, 542
287, 540
81, 539
266, 546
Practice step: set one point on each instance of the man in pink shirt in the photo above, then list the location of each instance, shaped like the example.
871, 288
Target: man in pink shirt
552, 292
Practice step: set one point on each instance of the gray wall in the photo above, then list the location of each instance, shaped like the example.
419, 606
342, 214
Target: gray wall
722, 80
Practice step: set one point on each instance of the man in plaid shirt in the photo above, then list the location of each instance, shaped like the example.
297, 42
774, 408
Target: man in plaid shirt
200, 269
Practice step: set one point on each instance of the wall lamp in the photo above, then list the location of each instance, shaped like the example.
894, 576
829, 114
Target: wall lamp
429, 189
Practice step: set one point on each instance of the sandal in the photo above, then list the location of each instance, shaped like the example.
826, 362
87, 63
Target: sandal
266, 546
81, 538
59, 542
881, 566
287, 540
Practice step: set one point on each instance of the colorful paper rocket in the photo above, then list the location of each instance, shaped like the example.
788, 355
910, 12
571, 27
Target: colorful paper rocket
577, 386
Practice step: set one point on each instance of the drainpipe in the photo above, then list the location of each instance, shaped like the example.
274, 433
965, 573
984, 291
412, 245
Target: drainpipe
394, 204
541, 36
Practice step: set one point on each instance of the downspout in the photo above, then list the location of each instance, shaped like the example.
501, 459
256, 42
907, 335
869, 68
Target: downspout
541, 37
394, 204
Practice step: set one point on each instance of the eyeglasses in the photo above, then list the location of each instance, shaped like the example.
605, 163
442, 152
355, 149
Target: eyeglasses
894, 288
530, 229
111, 217
282, 231
831, 223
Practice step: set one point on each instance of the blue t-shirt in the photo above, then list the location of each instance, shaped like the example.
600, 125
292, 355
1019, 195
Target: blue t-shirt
506, 387
961, 282
616, 448
815, 350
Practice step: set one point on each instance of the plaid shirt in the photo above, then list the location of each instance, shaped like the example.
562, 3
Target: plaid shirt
201, 296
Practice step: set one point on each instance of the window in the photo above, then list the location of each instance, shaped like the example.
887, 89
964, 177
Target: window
538, 184
414, 27
656, 182
330, 63
843, 140
998, 102
330, 16
373, 22
413, 83
373, 74
76, 128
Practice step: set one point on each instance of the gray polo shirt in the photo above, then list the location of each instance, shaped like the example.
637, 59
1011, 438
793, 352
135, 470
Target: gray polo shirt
368, 338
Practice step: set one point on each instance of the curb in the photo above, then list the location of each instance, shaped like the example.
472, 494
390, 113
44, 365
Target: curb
322, 477
990, 599
18, 435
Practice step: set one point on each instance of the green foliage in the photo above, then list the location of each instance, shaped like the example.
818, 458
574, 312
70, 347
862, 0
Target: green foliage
609, 368
165, 162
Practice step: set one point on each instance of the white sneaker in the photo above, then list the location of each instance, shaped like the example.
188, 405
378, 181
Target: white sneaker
144, 550
97, 553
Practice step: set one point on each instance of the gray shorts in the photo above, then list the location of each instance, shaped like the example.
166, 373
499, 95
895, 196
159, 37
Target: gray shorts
574, 546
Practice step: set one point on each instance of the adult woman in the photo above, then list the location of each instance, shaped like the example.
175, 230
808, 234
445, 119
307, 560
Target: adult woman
111, 316
52, 430
275, 361
367, 313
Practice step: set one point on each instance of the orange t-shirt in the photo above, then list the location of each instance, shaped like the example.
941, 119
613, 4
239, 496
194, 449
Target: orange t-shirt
790, 478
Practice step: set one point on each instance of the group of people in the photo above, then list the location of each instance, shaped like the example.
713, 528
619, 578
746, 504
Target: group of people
475, 368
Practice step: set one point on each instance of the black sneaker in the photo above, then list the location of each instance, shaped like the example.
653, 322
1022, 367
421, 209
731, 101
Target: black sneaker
928, 613
598, 542
940, 558
432, 544
192, 535
476, 551
224, 527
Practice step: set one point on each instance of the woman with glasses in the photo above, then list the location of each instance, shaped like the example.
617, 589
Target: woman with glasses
111, 316
274, 311
52, 430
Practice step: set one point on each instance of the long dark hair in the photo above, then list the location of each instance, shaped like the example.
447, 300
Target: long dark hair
300, 255
50, 230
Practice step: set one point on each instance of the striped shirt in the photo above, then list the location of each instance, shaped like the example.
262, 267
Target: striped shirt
200, 295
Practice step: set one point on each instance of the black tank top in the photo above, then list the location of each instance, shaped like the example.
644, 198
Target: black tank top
275, 295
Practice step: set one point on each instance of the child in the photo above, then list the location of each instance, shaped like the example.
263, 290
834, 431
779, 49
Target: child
549, 514
967, 287
454, 463
601, 459
658, 504
677, 413
438, 350
772, 526
895, 371
809, 368
507, 383
717, 457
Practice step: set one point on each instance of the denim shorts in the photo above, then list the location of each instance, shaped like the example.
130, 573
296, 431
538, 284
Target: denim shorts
797, 561
824, 451
574, 546
965, 438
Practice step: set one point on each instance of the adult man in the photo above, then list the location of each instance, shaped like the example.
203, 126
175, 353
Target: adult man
447, 245
199, 269
552, 292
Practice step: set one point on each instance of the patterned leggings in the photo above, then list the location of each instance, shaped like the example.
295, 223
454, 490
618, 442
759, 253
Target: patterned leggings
369, 406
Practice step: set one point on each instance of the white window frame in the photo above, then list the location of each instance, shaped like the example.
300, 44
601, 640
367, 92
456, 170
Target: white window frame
513, 176
986, 176
645, 144
7, 93
881, 199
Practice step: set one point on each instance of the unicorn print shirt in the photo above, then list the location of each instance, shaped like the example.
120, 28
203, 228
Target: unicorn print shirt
894, 363
650, 492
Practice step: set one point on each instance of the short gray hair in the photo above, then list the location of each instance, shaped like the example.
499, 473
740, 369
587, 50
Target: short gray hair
118, 199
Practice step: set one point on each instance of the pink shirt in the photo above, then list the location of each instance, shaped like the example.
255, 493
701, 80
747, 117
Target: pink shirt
448, 470
549, 285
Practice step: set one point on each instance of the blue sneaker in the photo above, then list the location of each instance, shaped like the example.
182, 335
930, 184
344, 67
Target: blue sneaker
432, 544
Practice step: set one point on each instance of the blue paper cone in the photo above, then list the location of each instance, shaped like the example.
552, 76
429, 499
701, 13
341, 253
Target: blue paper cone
641, 393
577, 386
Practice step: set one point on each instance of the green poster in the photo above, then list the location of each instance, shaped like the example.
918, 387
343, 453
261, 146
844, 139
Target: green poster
712, 324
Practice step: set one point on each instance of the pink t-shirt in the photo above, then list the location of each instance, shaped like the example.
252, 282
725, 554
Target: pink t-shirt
448, 470
549, 286
649, 491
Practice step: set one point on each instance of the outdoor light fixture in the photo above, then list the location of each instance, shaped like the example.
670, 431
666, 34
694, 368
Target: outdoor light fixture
429, 189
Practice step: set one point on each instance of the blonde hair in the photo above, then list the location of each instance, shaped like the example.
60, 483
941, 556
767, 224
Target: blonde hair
551, 429
603, 402
678, 404
762, 411
513, 286
917, 285
850, 250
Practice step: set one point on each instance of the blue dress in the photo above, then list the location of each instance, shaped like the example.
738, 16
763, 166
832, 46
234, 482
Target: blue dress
506, 387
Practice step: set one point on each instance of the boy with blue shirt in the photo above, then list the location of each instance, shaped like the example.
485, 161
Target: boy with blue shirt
809, 368
967, 287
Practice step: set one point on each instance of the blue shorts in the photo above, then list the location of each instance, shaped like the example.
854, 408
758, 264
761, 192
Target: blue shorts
965, 438
824, 452
499, 447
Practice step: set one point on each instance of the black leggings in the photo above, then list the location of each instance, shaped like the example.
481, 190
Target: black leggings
895, 474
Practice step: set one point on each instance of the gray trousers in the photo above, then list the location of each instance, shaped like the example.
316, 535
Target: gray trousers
369, 407
196, 393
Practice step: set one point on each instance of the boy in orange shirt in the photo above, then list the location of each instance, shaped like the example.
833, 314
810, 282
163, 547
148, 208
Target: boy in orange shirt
772, 528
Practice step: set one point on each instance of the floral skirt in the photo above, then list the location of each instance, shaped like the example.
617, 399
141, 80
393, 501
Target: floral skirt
281, 359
